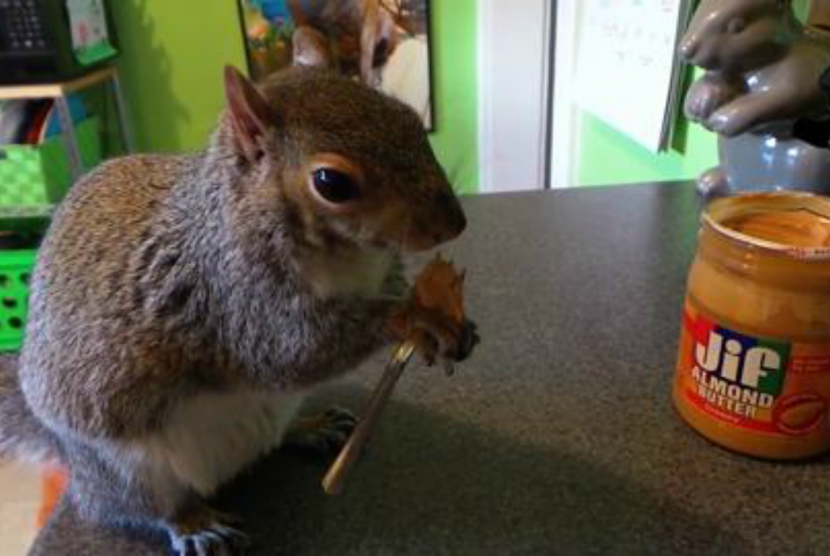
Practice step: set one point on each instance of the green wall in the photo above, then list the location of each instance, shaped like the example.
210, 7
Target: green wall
455, 39
174, 51
607, 156
173, 55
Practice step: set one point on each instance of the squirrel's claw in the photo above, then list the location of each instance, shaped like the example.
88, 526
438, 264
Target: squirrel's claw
324, 433
205, 532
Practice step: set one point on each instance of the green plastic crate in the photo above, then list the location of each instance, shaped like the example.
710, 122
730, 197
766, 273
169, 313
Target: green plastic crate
15, 270
25, 219
33, 179
39, 175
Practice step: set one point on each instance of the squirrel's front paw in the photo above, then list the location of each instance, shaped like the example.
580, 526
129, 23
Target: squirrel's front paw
705, 97
433, 318
733, 119
438, 337
201, 531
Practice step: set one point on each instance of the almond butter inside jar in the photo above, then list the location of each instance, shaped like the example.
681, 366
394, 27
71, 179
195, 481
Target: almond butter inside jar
753, 371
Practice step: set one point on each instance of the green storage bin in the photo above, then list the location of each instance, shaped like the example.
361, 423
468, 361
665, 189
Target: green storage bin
36, 177
15, 270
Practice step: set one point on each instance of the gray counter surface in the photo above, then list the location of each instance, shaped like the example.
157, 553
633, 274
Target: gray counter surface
557, 437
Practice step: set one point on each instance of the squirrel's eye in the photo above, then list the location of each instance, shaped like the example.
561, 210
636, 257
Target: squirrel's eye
334, 186
736, 25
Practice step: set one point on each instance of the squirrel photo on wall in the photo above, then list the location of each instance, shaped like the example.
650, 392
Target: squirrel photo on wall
383, 43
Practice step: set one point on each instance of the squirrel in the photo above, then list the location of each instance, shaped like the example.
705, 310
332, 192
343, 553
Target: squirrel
762, 68
355, 36
182, 306
762, 65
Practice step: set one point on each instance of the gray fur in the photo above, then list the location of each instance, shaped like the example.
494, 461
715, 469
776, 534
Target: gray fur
21, 435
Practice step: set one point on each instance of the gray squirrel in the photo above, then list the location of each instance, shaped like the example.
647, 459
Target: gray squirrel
762, 67
182, 306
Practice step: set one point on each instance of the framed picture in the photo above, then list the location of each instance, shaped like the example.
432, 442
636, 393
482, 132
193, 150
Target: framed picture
384, 43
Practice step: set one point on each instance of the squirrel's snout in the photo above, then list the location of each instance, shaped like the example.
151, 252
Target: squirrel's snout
459, 223
455, 221
444, 221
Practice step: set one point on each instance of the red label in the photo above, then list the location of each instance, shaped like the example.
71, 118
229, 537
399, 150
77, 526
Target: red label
760, 384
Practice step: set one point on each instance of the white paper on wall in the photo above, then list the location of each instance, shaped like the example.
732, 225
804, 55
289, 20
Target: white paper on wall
628, 71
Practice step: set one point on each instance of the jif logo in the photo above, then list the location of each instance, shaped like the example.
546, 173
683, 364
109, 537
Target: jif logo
743, 360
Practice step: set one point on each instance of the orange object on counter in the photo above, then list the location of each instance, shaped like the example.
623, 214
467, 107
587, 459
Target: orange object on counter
753, 371
53, 486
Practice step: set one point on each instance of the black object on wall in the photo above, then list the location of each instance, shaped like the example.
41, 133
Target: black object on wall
44, 41
816, 132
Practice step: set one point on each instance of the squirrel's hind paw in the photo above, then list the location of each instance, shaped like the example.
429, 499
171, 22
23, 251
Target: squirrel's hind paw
325, 433
204, 532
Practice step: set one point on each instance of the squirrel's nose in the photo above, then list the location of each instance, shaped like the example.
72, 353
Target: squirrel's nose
459, 222
440, 220
455, 221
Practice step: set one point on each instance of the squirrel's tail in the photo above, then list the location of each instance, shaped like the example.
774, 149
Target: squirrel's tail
22, 436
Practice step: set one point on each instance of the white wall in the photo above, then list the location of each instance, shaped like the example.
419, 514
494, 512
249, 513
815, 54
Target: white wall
513, 63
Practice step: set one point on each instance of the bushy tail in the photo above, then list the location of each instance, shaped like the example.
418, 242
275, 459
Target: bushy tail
22, 437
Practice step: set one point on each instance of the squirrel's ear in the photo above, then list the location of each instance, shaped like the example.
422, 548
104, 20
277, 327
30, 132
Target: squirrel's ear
250, 113
311, 48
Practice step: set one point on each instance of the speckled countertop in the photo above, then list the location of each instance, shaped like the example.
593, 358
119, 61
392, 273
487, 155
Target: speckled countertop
558, 437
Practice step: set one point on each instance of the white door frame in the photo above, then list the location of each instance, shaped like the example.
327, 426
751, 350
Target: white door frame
564, 143
514, 60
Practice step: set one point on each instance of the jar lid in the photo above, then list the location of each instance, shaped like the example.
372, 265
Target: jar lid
787, 223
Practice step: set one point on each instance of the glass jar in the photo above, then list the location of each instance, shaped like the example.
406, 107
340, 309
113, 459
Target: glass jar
753, 370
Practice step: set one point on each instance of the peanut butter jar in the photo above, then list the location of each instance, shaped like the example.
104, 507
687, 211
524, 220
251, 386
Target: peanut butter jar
753, 371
